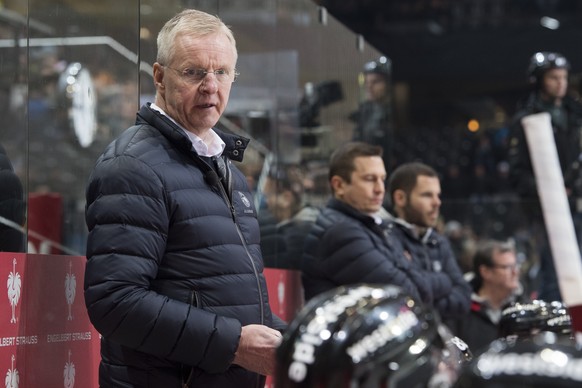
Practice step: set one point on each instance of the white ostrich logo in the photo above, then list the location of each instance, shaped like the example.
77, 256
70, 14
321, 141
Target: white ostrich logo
14, 285
69, 373
70, 290
12, 376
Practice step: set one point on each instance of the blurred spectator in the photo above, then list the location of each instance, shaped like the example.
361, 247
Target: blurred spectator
483, 185
503, 189
485, 154
373, 118
495, 284
463, 242
283, 232
454, 183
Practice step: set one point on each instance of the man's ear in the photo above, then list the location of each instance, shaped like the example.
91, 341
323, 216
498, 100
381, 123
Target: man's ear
337, 183
158, 75
399, 198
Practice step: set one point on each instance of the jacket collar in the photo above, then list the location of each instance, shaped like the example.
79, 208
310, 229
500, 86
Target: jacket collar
343, 207
235, 145
367, 220
411, 230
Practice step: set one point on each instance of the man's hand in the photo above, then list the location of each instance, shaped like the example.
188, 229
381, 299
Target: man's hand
256, 349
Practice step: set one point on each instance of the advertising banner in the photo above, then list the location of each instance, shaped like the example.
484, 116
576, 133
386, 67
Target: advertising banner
46, 338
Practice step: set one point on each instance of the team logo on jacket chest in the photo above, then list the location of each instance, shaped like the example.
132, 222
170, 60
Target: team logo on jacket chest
244, 200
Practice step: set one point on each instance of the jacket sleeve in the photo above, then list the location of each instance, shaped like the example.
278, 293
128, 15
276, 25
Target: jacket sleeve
348, 255
457, 299
128, 227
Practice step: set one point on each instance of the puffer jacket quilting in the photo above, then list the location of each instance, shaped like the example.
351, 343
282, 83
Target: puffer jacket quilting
174, 255
434, 257
346, 246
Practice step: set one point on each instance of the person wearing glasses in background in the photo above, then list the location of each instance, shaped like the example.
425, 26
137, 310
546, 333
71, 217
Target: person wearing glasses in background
174, 279
495, 282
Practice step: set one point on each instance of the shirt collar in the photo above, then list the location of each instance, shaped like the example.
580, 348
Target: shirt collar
213, 148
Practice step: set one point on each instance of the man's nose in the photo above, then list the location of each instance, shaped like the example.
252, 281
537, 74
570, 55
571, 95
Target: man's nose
380, 186
209, 84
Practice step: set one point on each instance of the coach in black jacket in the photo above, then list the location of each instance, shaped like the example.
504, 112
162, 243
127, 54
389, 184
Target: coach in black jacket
174, 279
349, 242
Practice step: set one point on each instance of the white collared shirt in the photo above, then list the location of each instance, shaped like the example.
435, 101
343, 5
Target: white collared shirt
214, 148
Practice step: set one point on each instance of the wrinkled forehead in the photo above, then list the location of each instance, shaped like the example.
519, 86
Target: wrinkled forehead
215, 44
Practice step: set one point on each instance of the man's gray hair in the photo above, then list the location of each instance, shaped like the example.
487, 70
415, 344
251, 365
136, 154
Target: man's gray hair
193, 23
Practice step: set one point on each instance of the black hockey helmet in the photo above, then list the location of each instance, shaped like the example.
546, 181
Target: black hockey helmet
543, 61
522, 320
382, 65
544, 360
367, 336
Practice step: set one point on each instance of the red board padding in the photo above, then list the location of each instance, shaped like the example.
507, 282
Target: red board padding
285, 292
45, 218
46, 338
285, 297
576, 317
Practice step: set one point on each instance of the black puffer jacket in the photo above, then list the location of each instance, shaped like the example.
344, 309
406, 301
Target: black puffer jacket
346, 246
174, 266
434, 257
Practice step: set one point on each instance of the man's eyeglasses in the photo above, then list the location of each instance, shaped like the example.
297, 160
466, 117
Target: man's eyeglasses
195, 76
511, 267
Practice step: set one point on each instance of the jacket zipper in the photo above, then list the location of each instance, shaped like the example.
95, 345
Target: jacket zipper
227, 197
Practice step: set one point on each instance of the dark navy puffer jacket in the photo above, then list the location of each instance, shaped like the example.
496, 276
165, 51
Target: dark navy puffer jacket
346, 246
174, 266
434, 257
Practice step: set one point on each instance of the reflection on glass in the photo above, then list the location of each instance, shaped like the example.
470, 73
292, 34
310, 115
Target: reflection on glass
373, 119
286, 219
12, 207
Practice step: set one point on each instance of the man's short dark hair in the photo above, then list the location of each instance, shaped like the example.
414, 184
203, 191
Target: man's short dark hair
484, 256
341, 162
404, 177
